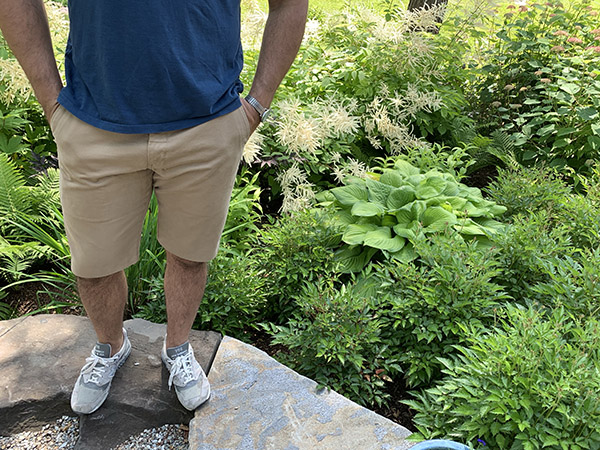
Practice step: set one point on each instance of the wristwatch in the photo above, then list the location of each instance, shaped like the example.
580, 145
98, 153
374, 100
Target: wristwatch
263, 112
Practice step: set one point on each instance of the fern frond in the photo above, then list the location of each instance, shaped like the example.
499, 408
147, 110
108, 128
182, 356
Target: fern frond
45, 193
14, 196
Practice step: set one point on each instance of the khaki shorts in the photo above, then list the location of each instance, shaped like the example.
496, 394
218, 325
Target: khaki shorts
107, 180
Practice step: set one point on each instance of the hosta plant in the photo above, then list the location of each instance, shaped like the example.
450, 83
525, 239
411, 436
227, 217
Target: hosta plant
386, 212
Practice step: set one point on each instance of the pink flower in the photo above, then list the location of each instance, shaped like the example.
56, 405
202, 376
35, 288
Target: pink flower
546, 80
558, 49
597, 38
509, 87
596, 31
523, 89
511, 7
560, 33
552, 15
575, 40
523, 8
593, 13
538, 72
594, 48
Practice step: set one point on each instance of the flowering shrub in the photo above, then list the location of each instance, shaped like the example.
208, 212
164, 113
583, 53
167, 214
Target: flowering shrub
361, 87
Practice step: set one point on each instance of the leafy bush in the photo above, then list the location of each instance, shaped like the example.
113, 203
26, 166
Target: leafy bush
297, 248
430, 303
531, 384
234, 299
387, 213
334, 336
539, 79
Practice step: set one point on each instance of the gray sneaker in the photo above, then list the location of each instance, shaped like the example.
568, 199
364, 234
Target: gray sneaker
93, 384
191, 384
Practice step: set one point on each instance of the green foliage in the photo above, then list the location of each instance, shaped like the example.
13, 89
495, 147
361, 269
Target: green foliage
539, 83
431, 303
297, 248
334, 336
530, 384
235, 299
389, 212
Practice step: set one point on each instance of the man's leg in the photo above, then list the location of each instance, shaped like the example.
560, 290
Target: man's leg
104, 301
184, 287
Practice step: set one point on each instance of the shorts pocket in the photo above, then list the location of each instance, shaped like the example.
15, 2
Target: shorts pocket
55, 117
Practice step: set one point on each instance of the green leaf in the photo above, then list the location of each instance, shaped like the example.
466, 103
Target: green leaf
430, 187
382, 239
367, 209
405, 169
469, 227
588, 113
392, 178
349, 195
570, 88
545, 131
355, 233
406, 255
378, 192
437, 218
400, 197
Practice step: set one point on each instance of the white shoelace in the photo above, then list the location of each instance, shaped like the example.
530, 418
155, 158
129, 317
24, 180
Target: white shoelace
183, 369
96, 367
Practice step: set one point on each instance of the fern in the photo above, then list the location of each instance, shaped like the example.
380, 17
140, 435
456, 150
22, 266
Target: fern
14, 195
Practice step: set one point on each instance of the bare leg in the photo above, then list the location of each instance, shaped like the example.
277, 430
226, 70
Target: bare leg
184, 287
104, 301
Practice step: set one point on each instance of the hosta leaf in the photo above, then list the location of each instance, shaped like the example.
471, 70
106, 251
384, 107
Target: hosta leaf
355, 234
497, 210
367, 209
490, 226
451, 189
469, 227
430, 187
408, 230
415, 180
349, 195
457, 203
474, 211
389, 220
392, 178
400, 197
437, 218
378, 192
405, 216
405, 169
382, 239
343, 217
354, 259
406, 255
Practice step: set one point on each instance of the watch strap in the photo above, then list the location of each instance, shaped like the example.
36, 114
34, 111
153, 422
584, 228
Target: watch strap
260, 109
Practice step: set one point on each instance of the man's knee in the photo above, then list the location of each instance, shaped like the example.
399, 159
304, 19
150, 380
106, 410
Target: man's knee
185, 263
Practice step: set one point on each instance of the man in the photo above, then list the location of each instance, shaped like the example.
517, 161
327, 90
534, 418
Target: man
151, 104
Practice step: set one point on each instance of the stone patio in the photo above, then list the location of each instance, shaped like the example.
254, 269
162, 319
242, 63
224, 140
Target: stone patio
256, 402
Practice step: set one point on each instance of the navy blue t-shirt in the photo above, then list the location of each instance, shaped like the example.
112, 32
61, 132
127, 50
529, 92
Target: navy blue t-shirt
146, 66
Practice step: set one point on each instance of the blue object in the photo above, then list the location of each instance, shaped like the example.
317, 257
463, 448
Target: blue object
136, 66
439, 444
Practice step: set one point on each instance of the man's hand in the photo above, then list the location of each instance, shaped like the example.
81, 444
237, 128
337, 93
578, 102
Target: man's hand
25, 27
281, 40
252, 114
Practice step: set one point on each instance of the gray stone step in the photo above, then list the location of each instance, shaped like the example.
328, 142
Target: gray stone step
258, 403
40, 359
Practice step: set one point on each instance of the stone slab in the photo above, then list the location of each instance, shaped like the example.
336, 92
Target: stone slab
40, 359
258, 403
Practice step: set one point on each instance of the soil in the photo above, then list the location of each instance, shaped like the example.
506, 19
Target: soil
481, 178
30, 297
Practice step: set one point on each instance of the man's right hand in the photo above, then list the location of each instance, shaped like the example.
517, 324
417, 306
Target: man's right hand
25, 27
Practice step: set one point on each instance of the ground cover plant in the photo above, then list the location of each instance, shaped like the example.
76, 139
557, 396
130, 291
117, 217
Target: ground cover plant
356, 239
